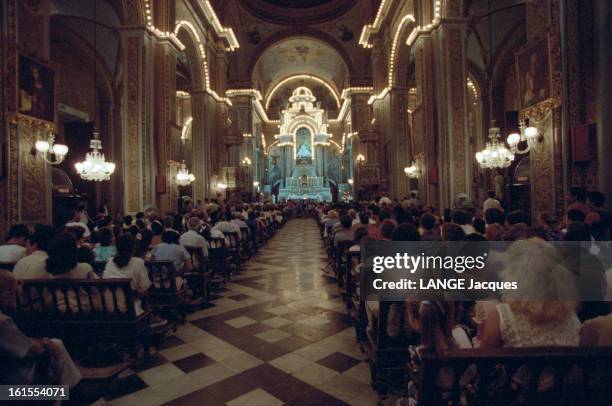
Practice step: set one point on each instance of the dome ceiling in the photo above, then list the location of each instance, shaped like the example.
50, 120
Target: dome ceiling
300, 12
297, 3
299, 55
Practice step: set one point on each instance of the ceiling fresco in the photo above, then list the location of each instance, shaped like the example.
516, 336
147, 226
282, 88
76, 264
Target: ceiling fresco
299, 55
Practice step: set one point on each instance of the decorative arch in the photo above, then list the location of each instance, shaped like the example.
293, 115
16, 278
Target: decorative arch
330, 86
503, 64
394, 56
188, 34
301, 32
63, 33
303, 121
195, 61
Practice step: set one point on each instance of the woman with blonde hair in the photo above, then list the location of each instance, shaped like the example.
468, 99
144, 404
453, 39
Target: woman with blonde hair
542, 310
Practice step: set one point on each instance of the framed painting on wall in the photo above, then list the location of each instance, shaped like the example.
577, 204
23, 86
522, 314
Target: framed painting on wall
36, 86
534, 73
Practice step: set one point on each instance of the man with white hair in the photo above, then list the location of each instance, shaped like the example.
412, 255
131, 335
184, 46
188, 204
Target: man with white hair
192, 238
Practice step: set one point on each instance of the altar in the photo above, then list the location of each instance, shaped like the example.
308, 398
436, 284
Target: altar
299, 155
304, 184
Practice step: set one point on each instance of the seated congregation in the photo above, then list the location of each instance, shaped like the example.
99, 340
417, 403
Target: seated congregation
507, 351
106, 291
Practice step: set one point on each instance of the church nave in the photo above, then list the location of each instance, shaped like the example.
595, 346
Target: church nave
276, 334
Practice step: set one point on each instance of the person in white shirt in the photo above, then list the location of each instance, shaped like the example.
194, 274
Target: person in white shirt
227, 226
238, 219
75, 221
413, 201
125, 265
491, 202
14, 249
34, 265
192, 239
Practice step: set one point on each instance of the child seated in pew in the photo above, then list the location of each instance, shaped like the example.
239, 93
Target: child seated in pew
105, 249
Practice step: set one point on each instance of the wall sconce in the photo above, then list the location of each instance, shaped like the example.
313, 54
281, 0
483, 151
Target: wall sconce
360, 159
246, 161
221, 185
527, 133
350, 182
256, 184
47, 148
412, 171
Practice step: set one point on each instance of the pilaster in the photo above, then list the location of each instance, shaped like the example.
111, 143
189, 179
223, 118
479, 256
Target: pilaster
201, 131
136, 145
450, 61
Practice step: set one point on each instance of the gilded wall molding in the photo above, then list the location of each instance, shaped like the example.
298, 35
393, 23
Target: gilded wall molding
132, 144
542, 163
457, 105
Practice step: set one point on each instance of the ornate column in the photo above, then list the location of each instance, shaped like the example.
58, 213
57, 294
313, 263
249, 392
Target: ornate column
241, 113
135, 146
546, 159
450, 69
361, 117
201, 131
424, 122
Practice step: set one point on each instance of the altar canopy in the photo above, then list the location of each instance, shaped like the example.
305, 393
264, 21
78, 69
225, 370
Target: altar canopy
303, 149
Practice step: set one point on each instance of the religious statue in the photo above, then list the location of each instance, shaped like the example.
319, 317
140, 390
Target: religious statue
304, 151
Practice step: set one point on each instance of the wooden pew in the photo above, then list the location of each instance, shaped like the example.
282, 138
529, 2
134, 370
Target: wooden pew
218, 260
198, 279
573, 375
82, 310
233, 250
165, 293
387, 355
340, 259
246, 250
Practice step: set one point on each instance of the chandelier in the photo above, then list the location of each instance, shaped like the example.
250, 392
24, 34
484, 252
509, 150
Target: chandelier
46, 148
495, 155
246, 161
183, 177
95, 167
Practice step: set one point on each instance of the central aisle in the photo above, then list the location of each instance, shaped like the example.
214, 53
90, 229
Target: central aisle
277, 334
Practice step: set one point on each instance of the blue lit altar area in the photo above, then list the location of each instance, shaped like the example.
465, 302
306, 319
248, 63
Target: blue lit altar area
305, 184
304, 163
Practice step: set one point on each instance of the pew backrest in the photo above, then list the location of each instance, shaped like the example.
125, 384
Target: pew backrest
162, 275
553, 375
76, 299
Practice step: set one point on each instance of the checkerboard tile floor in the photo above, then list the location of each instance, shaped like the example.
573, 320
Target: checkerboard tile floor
276, 334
